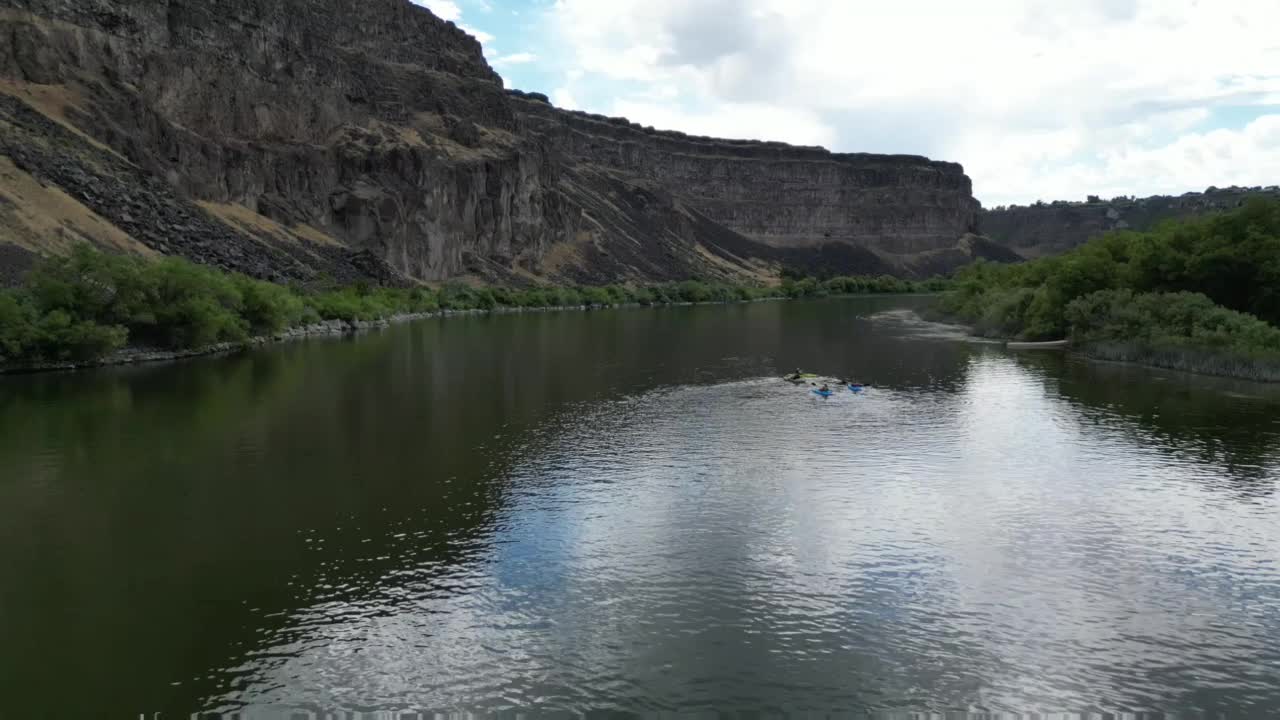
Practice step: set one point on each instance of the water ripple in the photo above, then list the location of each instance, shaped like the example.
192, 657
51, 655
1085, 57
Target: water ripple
745, 545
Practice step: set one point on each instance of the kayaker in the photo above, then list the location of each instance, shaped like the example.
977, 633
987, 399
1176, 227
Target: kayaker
824, 388
795, 375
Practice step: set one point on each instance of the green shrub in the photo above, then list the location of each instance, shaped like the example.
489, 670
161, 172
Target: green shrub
59, 336
83, 284
506, 297
90, 303
17, 327
198, 321
617, 294
1168, 319
424, 300
1182, 330
1005, 314
691, 291
645, 296
267, 307
459, 296
594, 296
194, 306
1231, 259
485, 299
569, 297
534, 298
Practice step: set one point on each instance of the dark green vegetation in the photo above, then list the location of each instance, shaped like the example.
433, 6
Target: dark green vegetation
89, 304
1202, 295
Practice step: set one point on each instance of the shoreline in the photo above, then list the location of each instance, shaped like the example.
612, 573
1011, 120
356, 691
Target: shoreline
343, 328
324, 328
1204, 363
89, 309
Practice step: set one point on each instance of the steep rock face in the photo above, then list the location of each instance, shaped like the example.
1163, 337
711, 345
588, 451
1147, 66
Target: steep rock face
304, 139
1052, 228
782, 195
360, 119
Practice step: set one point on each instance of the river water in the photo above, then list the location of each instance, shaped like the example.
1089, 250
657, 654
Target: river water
628, 511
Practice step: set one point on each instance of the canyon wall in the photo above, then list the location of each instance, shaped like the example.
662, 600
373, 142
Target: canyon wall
782, 195
314, 139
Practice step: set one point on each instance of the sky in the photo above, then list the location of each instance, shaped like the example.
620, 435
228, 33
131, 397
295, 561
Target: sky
1038, 99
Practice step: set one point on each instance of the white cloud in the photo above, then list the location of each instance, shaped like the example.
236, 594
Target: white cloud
520, 58
443, 9
1248, 156
732, 120
449, 10
1035, 97
563, 97
484, 37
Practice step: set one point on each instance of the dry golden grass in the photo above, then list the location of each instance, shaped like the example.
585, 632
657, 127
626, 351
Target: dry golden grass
264, 228
411, 137
46, 220
741, 270
562, 255
315, 235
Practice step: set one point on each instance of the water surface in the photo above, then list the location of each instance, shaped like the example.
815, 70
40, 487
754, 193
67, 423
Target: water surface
627, 510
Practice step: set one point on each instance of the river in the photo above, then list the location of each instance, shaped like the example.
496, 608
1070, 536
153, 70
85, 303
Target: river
628, 510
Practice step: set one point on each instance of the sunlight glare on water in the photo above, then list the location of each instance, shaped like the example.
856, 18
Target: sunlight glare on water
745, 546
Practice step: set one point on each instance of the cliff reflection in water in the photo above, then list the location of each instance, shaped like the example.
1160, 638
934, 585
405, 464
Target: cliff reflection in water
1224, 424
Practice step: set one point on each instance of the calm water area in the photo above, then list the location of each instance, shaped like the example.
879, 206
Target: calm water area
629, 511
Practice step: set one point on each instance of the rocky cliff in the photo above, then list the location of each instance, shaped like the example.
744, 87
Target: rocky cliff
306, 139
1051, 228
782, 195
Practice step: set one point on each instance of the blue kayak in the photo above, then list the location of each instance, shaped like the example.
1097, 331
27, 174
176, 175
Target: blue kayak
856, 388
823, 393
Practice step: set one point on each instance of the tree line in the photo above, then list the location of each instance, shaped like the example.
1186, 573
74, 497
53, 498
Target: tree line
1201, 294
88, 304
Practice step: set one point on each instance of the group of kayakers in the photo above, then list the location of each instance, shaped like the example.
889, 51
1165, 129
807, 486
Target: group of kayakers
825, 389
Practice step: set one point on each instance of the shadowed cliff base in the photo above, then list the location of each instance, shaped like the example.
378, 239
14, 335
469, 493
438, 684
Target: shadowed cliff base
305, 141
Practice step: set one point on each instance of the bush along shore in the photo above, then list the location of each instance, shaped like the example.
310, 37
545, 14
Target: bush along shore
1200, 295
92, 308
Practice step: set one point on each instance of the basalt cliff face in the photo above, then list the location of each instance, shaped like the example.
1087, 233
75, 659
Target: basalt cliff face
312, 139
1051, 228
781, 195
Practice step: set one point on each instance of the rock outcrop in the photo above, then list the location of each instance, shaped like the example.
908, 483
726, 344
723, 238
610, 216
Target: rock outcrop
314, 139
1051, 228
